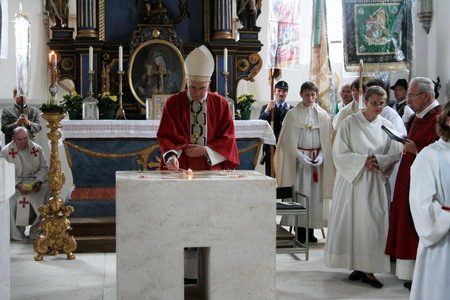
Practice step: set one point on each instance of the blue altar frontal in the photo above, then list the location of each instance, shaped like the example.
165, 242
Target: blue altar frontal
96, 149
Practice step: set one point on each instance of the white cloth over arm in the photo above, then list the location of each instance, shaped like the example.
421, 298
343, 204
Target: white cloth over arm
429, 192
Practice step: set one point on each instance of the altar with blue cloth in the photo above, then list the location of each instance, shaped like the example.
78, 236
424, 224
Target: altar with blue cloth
96, 149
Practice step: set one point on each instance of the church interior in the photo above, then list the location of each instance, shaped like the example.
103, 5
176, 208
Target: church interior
132, 53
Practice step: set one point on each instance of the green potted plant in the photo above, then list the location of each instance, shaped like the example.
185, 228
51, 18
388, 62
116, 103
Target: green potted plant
107, 105
244, 104
72, 104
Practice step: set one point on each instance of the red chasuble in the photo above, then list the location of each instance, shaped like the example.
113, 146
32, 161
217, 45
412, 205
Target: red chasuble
402, 237
174, 132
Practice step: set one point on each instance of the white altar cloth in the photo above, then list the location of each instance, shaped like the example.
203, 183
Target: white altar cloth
148, 129
229, 213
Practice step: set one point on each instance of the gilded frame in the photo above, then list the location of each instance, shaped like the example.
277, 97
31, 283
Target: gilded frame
144, 70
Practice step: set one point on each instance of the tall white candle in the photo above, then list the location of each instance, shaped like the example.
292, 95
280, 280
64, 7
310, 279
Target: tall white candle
120, 58
225, 60
91, 59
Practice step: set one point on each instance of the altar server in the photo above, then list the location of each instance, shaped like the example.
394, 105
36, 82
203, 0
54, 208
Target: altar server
429, 199
364, 157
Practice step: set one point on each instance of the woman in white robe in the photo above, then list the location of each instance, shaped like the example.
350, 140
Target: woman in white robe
364, 157
429, 199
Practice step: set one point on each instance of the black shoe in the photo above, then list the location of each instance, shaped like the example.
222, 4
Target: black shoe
301, 234
355, 275
373, 282
189, 281
408, 285
312, 238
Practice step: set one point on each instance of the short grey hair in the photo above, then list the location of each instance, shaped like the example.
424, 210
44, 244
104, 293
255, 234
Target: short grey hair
375, 90
423, 85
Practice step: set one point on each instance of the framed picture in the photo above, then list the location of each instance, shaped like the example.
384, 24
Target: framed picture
156, 67
379, 33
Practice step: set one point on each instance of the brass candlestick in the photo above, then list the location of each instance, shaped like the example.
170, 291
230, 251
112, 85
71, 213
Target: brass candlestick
53, 88
55, 223
225, 87
225, 93
120, 112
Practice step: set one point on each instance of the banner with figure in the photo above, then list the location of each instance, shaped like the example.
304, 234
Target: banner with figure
4, 29
283, 34
23, 50
379, 32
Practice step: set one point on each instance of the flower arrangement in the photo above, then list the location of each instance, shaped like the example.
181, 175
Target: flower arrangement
72, 102
244, 102
106, 101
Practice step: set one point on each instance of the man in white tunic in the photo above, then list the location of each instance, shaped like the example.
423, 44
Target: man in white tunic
364, 157
303, 156
429, 199
31, 187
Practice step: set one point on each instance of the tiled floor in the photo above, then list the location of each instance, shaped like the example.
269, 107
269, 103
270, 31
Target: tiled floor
93, 276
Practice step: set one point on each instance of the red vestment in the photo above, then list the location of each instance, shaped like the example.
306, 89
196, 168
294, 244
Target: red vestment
402, 239
174, 132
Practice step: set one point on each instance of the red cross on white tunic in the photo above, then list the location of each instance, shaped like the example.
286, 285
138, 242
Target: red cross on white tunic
13, 153
34, 151
24, 202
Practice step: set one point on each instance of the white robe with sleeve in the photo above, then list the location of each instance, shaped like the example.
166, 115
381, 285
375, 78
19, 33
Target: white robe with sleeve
359, 211
429, 192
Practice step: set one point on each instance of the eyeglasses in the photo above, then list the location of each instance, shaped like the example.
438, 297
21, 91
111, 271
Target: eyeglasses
410, 96
374, 103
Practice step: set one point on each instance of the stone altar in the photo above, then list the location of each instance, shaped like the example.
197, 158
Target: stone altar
229, 213
7, 189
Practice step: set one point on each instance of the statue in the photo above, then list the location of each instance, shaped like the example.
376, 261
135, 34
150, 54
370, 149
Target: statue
248, 11
58, 11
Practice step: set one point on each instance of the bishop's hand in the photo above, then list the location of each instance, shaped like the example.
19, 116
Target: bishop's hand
194, 150
172, 163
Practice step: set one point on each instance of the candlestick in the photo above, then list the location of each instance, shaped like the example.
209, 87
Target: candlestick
120, 58
225, 60
361, 91
120, 114
53, 88
91, 59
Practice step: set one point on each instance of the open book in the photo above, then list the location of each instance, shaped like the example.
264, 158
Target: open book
395, 135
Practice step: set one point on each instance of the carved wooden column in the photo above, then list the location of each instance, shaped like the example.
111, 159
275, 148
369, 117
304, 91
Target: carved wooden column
87, 19
222, 20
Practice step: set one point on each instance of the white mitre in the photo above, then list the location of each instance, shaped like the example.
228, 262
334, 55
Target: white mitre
199, 65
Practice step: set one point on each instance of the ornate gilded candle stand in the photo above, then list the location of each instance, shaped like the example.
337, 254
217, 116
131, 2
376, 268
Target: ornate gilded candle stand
120, 114
54, 238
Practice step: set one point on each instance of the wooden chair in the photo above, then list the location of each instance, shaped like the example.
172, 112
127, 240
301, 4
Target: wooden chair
291, 206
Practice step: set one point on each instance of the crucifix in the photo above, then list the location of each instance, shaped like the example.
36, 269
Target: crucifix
162, 71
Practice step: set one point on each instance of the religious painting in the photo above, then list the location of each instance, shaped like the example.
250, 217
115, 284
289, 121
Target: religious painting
156, 67
379, 33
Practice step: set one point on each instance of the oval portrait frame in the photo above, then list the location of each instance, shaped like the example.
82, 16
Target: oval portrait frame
143, 71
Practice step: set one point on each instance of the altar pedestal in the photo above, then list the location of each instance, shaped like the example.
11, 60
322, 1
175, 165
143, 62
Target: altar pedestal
7, 183
229, 214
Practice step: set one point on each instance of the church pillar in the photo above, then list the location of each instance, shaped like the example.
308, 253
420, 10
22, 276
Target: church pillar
87, 19
222, 20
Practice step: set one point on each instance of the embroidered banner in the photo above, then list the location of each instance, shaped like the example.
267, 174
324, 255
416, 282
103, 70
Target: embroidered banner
379, 32
283, 31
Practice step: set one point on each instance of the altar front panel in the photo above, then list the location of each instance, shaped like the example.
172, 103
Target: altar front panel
161, 213
96, 149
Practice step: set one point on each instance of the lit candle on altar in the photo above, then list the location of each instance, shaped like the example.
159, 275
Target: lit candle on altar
120, 58
225, 60
91, 59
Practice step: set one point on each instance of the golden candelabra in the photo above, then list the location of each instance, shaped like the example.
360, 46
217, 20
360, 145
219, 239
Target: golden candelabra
55, 223
120, 112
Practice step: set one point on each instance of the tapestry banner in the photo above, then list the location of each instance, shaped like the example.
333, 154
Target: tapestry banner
379, 32
283, 31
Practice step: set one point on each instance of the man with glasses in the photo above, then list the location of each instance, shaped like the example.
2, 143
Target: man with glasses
197, 130
402, 238
364, 158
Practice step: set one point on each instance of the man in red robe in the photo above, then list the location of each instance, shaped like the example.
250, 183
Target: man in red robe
197, 129
402, 237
